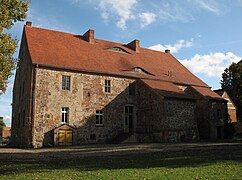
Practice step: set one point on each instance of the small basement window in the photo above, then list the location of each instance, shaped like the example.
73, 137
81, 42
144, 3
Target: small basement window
93, 136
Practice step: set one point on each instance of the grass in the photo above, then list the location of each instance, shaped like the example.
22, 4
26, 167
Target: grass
222, 162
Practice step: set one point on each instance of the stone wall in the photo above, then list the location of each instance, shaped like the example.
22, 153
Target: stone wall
22, 98
178, 123
155, 119
164, 120
218, 119
86, 95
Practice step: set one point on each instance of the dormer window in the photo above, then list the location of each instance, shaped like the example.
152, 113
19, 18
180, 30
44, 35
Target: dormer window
138, 70
117, 49
171, 73
141, 71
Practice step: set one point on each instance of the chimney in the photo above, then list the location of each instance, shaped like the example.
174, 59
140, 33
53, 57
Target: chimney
89, 36
28, 23
168, 51
134, 45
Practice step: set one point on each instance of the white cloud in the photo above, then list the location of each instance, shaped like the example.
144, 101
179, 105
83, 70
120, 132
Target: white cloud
173, 48
146, 18
7, 120
212, 6
123, 11
212, 64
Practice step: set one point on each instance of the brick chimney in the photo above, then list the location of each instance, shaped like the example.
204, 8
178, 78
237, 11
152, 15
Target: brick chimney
134, 45
28, 23
89, 36
168, 51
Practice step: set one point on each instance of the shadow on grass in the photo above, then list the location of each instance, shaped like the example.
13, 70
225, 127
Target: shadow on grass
29, 162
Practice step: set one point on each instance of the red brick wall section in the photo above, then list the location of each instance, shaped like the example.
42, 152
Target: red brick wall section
6, 132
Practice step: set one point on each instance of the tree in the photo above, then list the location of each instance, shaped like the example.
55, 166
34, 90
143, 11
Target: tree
10, 11
232, 83
226, 81
2, 124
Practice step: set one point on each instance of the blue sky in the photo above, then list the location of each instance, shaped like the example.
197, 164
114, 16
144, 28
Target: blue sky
205, 35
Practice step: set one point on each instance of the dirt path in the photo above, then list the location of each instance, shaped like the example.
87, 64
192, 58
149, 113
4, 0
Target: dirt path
104, 150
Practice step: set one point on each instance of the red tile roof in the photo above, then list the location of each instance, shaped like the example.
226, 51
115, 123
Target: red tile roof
207, 92
166, 89
70, 51
220, 92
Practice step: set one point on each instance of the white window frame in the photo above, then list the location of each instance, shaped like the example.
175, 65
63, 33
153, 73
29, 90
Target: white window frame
99, 118
65, 114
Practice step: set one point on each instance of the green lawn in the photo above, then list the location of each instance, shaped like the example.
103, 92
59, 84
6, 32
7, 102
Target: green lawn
223, 162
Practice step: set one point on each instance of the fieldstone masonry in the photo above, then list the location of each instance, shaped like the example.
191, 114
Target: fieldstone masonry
171, 107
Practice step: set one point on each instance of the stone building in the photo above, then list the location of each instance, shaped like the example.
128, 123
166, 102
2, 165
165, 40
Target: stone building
6, 134
231, 105
76, 89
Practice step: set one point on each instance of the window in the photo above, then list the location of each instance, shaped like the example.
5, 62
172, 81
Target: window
171, 73
129, 119
19, 120
64, 114
66, 82
132, 88
118, 49
23, 89
218, 113
107, 87
20, 91
93, 136
23, 118
141, 71
99, 117
138, 70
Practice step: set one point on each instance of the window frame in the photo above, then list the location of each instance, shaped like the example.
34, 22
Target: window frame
23, 118
65, 114
107, 86
66, 82
99, 118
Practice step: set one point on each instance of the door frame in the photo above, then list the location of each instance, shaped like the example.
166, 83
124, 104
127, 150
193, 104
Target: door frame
65, 127
65, 137
134, 119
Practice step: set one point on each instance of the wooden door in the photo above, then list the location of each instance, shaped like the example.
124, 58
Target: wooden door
65, 137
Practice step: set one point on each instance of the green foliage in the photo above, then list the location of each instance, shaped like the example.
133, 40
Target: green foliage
2, 124
226, 81
10, 12
232, 83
